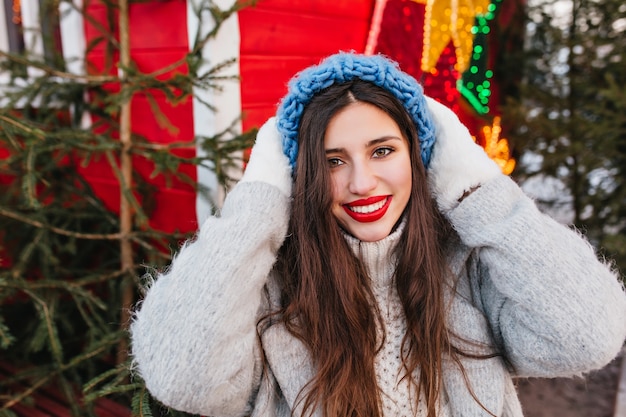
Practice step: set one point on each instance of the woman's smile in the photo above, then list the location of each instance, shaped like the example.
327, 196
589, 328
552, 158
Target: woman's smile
368, 210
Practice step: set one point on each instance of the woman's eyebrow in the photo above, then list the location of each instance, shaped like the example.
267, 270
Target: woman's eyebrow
370, 143
380, 140
334, 150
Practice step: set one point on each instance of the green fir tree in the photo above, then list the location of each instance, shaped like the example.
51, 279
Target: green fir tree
568, 123
69, 266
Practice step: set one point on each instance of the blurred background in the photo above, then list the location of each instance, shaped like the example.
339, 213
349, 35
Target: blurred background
124, 123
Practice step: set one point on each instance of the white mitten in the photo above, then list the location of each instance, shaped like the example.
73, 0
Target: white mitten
458, 165
267, 161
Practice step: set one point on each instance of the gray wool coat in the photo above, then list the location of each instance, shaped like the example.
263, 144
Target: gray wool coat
524, 283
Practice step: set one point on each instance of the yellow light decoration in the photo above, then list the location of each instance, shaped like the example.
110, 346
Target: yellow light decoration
445, 20
498, 148
17, 12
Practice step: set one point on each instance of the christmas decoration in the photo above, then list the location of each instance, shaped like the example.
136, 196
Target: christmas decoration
475, 83
449, 46
450, 20
497, 147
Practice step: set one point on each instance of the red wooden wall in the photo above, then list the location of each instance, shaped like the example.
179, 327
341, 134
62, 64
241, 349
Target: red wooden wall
278, 38
158, 37
281, 37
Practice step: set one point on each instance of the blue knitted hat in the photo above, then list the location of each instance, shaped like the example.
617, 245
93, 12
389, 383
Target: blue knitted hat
343, 67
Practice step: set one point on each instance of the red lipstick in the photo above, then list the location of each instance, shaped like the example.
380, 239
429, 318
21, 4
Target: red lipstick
368, 209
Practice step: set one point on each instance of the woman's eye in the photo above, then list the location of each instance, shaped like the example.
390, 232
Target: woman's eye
381, 152
333, 162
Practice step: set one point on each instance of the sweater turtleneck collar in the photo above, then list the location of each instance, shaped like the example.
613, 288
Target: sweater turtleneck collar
378, 257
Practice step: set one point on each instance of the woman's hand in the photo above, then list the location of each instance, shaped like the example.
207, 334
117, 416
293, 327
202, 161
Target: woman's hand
267, 161
458, 165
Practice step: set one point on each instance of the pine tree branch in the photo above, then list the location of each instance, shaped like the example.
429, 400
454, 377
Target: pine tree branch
53, 338
126, 193
121, 369
27, 392
96, 24
51, 72
26, 253
95, 236
38, 133
134, 236
28, 182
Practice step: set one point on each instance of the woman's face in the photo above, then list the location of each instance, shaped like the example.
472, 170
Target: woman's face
370, 170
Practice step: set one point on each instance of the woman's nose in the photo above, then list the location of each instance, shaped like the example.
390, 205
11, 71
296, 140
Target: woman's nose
362, 179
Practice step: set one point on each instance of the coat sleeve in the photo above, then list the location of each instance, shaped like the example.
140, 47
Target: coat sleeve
555, 309
194, 338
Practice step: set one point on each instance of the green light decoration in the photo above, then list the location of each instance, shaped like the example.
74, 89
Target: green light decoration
475, 84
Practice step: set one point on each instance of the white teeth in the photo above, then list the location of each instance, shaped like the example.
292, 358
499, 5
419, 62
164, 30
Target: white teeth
368, 209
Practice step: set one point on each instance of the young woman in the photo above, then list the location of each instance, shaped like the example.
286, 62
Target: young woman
372, 261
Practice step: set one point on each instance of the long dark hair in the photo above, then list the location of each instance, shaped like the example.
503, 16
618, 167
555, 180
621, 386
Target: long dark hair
327, 300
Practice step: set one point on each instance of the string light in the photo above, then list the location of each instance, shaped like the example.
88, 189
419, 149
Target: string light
447, 20
455, 59
475, 84
497, 148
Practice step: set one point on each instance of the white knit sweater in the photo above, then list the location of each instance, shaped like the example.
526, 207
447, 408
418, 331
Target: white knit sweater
397, 400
